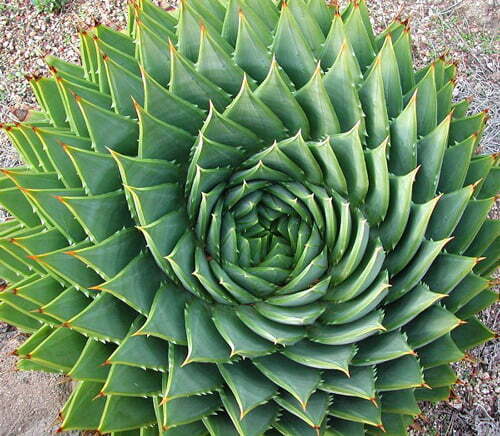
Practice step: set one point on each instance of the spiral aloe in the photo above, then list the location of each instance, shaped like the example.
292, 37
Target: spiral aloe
242, 217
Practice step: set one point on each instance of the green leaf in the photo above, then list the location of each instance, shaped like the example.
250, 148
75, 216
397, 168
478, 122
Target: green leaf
240, 339
291, 49
255, 422
313, 414
358, 382
441, 351
204, 342
471, 333
430, 325
84, 410
126, 413
249, 387
130, 381
381, 348
274, 332
181, 411
357, 410
321, 356
401, 402
294, 378
402, 373
188, 380
89, 366
347, 333
298, 315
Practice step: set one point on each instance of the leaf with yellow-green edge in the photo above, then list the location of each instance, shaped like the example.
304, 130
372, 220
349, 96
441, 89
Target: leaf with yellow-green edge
433, 395
357, 410
188, 380
60, 350
173, 110
354, 252
218, 425
444, 97
403, 51
249, 387
479, 168
166, 317
66, 305
17, 318
241, 340
274, 91
84, 90
310, 28
28, 308
24, 148
315, 412
110, 256
490, 230
412, 238
47, 93
430, 154
106, 319
109, 130
336, 42
115, 38
401, 402
391, 78
462, 128
153, 52
251, 52
354, 309
187, 83
372, 97
249, 111
465, 291
321, 356
130, 381
322, 13
358, 382
316, 103
221, 129
300, 315
381, 348
136, 284
348, 333
68, 268
141, 351
293, 426
185, 410
471, 334
403, 149
125, 87
88, 210
97, 171
89, 366
349, 152
17, 204
204, 342
342, 427
392, 228
270, 330
447, 271
255, 422
40, 291
480, 302
426, 102
411, 305
84, 410
448, 212
213, 58
491, 184
407, 278
359, 36
440, 376
292, 50
88, 55
491, 255
126, 413
165, 18
402, 373
54, 142
160, 140
430, 325
470, 224
377, 197
363, 276
439, 352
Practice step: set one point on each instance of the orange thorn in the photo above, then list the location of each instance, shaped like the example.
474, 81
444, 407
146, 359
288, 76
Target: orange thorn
70, 253
373, 400
426, 386
66, 324
59, 198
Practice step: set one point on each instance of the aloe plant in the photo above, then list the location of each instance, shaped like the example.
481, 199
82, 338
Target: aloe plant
243, 217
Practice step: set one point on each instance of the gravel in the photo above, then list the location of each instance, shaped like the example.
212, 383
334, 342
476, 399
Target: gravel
465, 30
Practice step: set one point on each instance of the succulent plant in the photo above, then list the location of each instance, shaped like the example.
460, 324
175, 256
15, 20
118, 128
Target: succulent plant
242, 217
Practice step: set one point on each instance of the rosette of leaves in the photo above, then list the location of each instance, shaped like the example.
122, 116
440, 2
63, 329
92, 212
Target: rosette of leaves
243, 217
